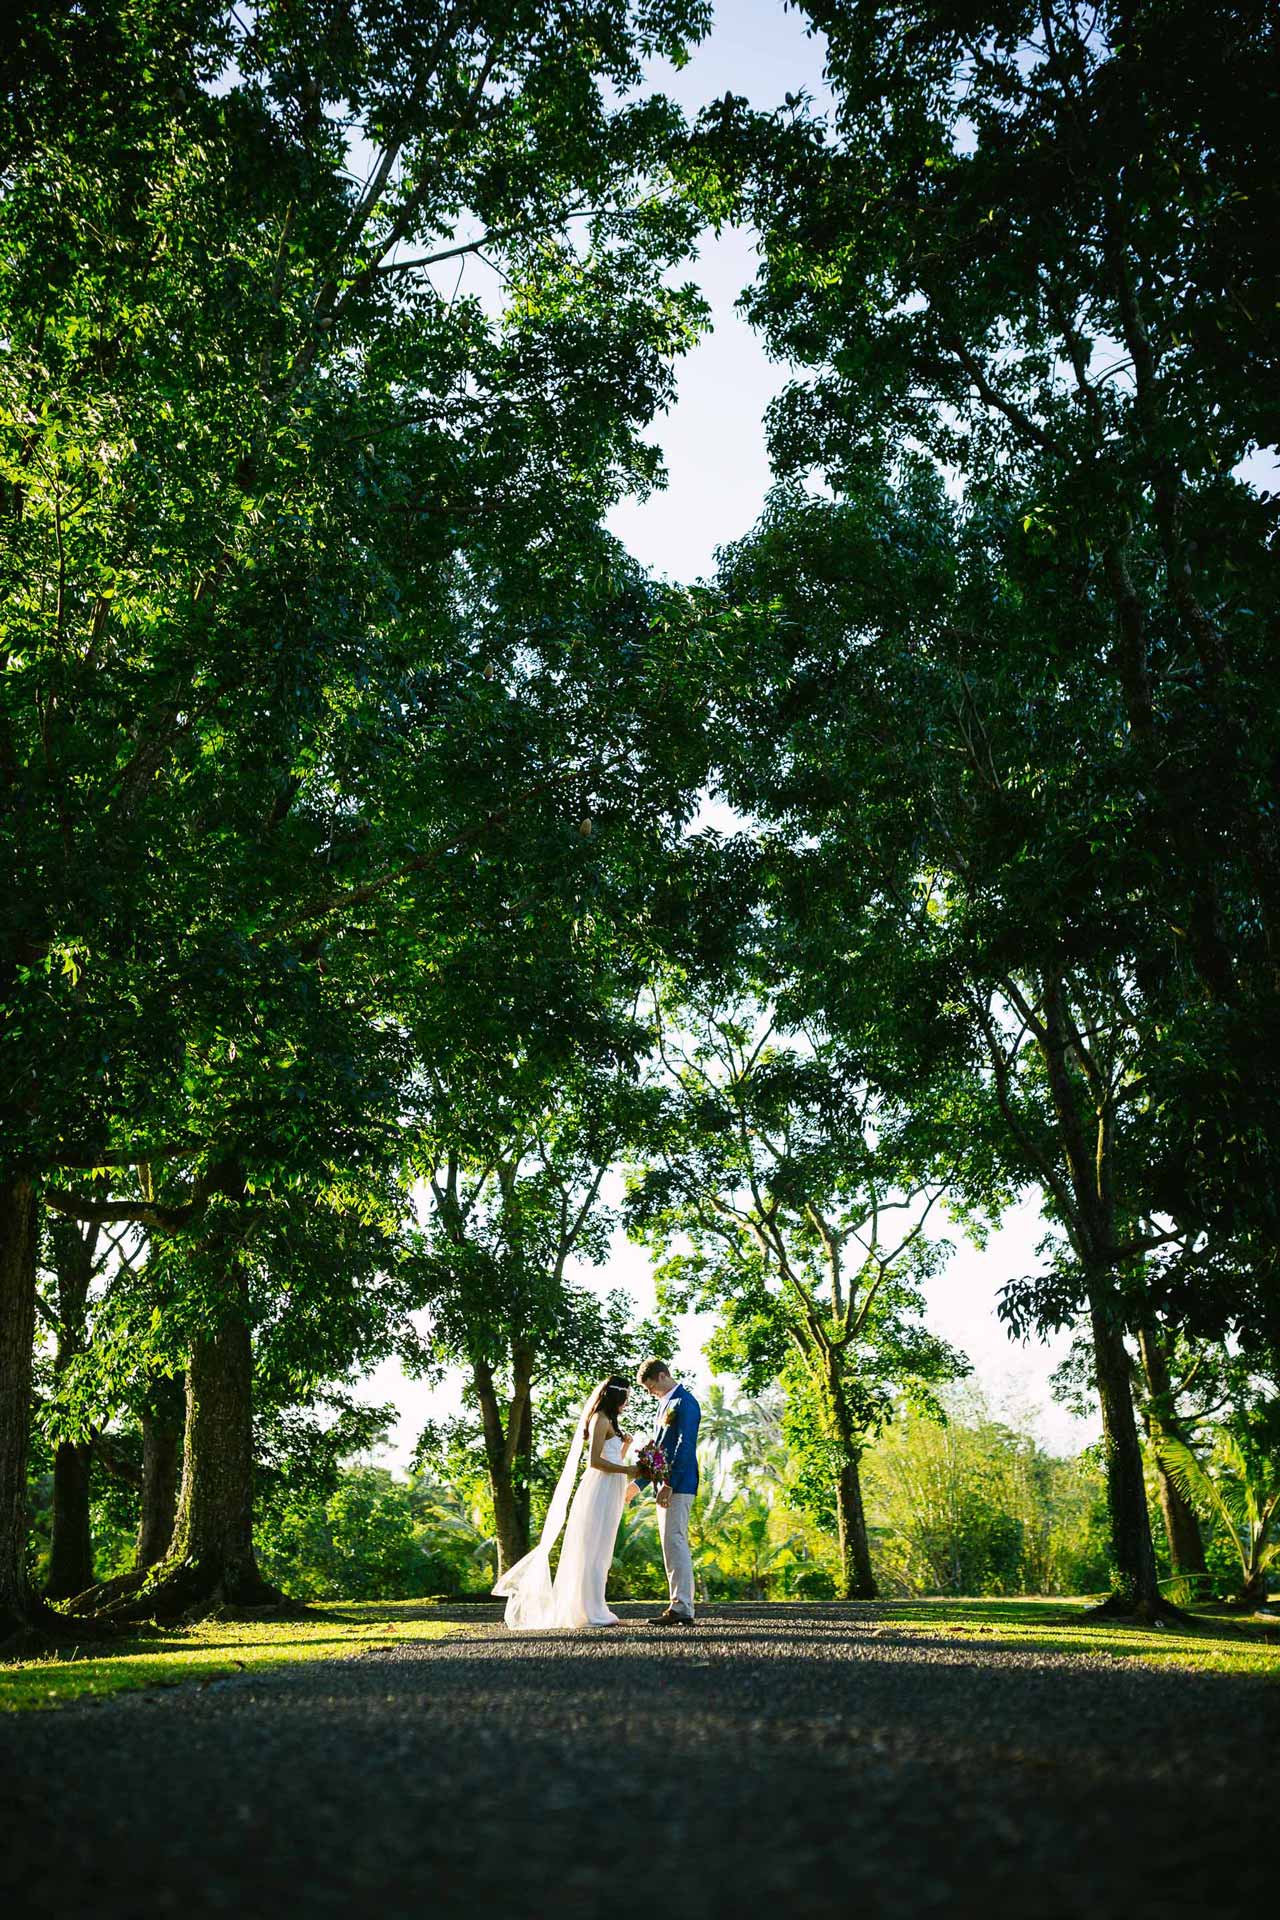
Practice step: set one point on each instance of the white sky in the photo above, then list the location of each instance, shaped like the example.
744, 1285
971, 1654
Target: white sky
713, 445
712, 439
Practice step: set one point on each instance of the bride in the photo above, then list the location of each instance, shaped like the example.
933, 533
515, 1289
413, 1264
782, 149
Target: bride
576, 1597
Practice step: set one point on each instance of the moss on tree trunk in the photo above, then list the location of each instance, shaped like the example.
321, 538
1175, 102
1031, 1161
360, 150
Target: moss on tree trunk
523, 1488
213, 1528
512, 1539
71, 1546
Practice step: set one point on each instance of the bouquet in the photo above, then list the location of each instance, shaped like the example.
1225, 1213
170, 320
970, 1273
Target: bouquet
652, 1462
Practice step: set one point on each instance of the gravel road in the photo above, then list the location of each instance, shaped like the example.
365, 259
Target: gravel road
816, 1762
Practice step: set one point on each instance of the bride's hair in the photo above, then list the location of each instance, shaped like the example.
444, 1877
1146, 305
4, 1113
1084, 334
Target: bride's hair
608, 1401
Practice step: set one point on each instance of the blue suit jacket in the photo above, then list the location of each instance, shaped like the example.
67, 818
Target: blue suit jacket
678, 1439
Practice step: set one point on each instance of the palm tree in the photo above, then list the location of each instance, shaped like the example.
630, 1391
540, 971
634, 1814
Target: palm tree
453, 1528
745, 1436
1240, 1489
637, 1555
739, 1543
725, 1427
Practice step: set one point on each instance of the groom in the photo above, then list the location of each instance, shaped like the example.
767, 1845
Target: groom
677, 1434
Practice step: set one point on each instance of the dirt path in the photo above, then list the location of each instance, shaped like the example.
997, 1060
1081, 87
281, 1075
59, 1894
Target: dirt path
816, 1764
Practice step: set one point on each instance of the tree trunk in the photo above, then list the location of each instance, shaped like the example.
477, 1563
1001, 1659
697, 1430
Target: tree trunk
1181, 1527
510, 1515
213, 1529
1255, 1591
1088, 1159
71, 1548
510, 1501
1181, 1524
1133, 1550
19, 1607
162, 1435
210, 1560
512, 1537
858, 1582
524, 1471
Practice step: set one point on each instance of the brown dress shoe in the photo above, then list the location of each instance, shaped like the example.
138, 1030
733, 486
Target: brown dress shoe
671, 1619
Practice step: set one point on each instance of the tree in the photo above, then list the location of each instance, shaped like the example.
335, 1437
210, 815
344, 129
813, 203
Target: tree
1162, 1419
1211, 1422
17, 1330
1063, 221
71, 1543
513, 1208
975, 1505
1239, 1489
163, 1419
368, 1534
271, 490
805, 1225
944, 889
1064, 1081
1035, 596
742, 1436
316, 1290
111, 1405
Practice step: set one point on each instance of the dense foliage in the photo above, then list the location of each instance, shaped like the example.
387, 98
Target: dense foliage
335, 730
787, 1197
1013, 732
356, 937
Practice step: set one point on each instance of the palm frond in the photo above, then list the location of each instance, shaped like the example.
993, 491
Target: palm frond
1199, 1488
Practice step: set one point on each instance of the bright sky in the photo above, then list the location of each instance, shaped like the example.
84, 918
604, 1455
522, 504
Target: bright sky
713, 445
712, 439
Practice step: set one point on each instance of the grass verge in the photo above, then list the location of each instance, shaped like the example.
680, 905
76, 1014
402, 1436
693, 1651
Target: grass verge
216, 1649
1213, 1644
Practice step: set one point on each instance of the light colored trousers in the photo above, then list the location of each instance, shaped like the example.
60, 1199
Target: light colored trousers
673, 1530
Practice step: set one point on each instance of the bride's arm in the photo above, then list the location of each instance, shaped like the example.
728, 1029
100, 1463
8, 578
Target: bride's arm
599, 1434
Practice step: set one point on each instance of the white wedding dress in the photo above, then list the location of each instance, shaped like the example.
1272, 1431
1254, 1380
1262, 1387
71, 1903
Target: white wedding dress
576, 1596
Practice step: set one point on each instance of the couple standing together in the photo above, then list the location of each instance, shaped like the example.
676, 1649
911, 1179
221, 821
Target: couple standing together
575, 1598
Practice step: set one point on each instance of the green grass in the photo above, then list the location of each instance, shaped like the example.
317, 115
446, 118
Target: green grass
1212, 1645
177, 1656
336, 1629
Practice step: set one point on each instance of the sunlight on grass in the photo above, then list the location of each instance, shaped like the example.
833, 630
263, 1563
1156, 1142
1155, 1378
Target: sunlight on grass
216, 1649
334, 1630
1212, 1645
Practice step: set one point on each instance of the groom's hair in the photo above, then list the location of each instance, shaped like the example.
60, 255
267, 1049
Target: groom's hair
650, 1371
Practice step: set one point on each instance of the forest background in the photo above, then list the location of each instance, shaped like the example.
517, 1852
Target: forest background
355, 1063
